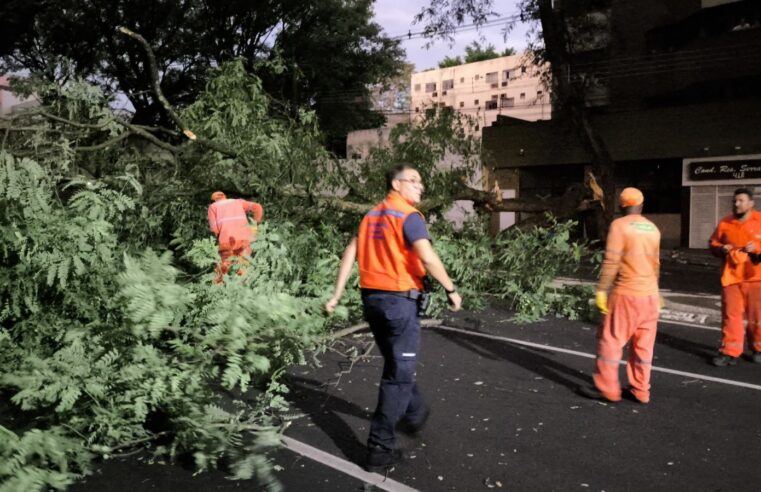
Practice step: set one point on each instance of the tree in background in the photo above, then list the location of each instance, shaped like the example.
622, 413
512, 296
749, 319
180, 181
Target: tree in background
474, 52
329, 51
557, 32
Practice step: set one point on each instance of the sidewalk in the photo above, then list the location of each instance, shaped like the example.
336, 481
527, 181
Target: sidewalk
689, 285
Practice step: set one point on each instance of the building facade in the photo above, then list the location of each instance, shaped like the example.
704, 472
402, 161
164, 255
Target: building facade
674, 91
508, 85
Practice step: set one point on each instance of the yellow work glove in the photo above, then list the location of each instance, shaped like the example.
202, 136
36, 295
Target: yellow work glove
661, 303
601, 300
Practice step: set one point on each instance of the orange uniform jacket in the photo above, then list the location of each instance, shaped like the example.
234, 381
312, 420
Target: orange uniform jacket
385, 260
738, 266
227, 220
632, 257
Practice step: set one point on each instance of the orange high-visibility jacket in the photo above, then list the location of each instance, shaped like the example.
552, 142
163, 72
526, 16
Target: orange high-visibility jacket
385, 261
632, 257
227, 220
737, 265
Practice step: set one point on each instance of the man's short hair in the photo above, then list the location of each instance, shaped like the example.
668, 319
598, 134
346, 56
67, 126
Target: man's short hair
744, 191
394, 171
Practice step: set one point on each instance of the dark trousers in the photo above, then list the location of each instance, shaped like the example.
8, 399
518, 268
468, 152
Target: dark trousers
396, 328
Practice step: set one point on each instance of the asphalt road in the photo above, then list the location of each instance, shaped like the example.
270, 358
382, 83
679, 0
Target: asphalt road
507, 416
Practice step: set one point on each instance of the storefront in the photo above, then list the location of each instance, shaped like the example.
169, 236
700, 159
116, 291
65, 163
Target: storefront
712, 182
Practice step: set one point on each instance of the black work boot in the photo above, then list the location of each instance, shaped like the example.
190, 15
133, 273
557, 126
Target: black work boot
723, 360
380, 459
414, 429
756, 357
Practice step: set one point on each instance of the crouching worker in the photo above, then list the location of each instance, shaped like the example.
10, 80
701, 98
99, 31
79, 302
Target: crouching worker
631, 267
394, 252
229, 223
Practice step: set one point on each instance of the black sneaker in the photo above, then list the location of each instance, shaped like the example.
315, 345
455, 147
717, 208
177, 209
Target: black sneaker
414, 430
380, 459
723, 360
593, 393
628, 395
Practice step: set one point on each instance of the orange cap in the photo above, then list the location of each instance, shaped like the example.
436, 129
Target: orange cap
217, 195
630, 197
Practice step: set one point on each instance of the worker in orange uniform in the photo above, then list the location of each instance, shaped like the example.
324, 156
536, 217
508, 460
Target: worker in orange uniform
737, 239
228, 221
630, 273
394, 253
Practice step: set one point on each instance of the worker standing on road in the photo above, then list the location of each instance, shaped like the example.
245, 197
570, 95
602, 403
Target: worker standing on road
630, 273
228, 221
394, 252
737, 239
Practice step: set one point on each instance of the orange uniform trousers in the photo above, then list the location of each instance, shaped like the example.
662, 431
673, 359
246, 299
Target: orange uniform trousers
232, 256
632, 318
738, 301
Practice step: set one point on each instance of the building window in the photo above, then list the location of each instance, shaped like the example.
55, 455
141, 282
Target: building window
505, 74
504, 83
491, 78
475, 102
417, 87
507, 102
523, 96
435, 94
462, 104
491, 104
417, 110
523, 69
447, 84
462, 80
477, 77
430, 87
539, 94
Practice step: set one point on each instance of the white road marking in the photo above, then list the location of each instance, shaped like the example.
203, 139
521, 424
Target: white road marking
592, 356
693, 325
344, 466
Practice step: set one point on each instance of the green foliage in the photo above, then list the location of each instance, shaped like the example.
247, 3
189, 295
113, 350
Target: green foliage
527, 263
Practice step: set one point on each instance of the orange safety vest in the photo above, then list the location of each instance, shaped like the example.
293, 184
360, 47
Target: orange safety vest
385, 260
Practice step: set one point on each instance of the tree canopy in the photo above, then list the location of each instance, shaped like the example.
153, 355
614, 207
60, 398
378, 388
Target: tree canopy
328, 51
475, 52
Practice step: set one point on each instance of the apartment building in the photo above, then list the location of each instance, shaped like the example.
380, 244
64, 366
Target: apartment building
508, 86
674, 91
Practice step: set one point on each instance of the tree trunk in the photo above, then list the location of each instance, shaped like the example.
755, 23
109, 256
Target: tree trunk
571, 100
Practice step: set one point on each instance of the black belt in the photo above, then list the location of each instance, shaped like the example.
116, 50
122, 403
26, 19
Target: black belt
413, 294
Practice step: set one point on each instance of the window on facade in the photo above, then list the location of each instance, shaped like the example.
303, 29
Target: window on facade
462, 80
504, 83
475, 102
417, 87
462, 104
523, 96
417, 110
507, 102
491, 104
434, 94
505, 74
523, 69
430, 87
539, 94
447, 84
491, 78
477, 77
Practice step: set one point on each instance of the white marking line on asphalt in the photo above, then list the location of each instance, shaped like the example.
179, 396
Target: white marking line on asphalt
344, 466
692, 325
591, 356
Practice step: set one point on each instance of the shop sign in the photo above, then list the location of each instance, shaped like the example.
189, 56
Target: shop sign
725, 170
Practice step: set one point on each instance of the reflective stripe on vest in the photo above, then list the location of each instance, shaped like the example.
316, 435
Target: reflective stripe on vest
385, 260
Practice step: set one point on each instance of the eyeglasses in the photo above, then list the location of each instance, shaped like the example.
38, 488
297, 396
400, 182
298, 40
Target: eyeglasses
413, 182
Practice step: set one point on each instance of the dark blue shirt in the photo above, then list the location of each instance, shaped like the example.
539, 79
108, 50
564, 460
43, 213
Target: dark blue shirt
414, 229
